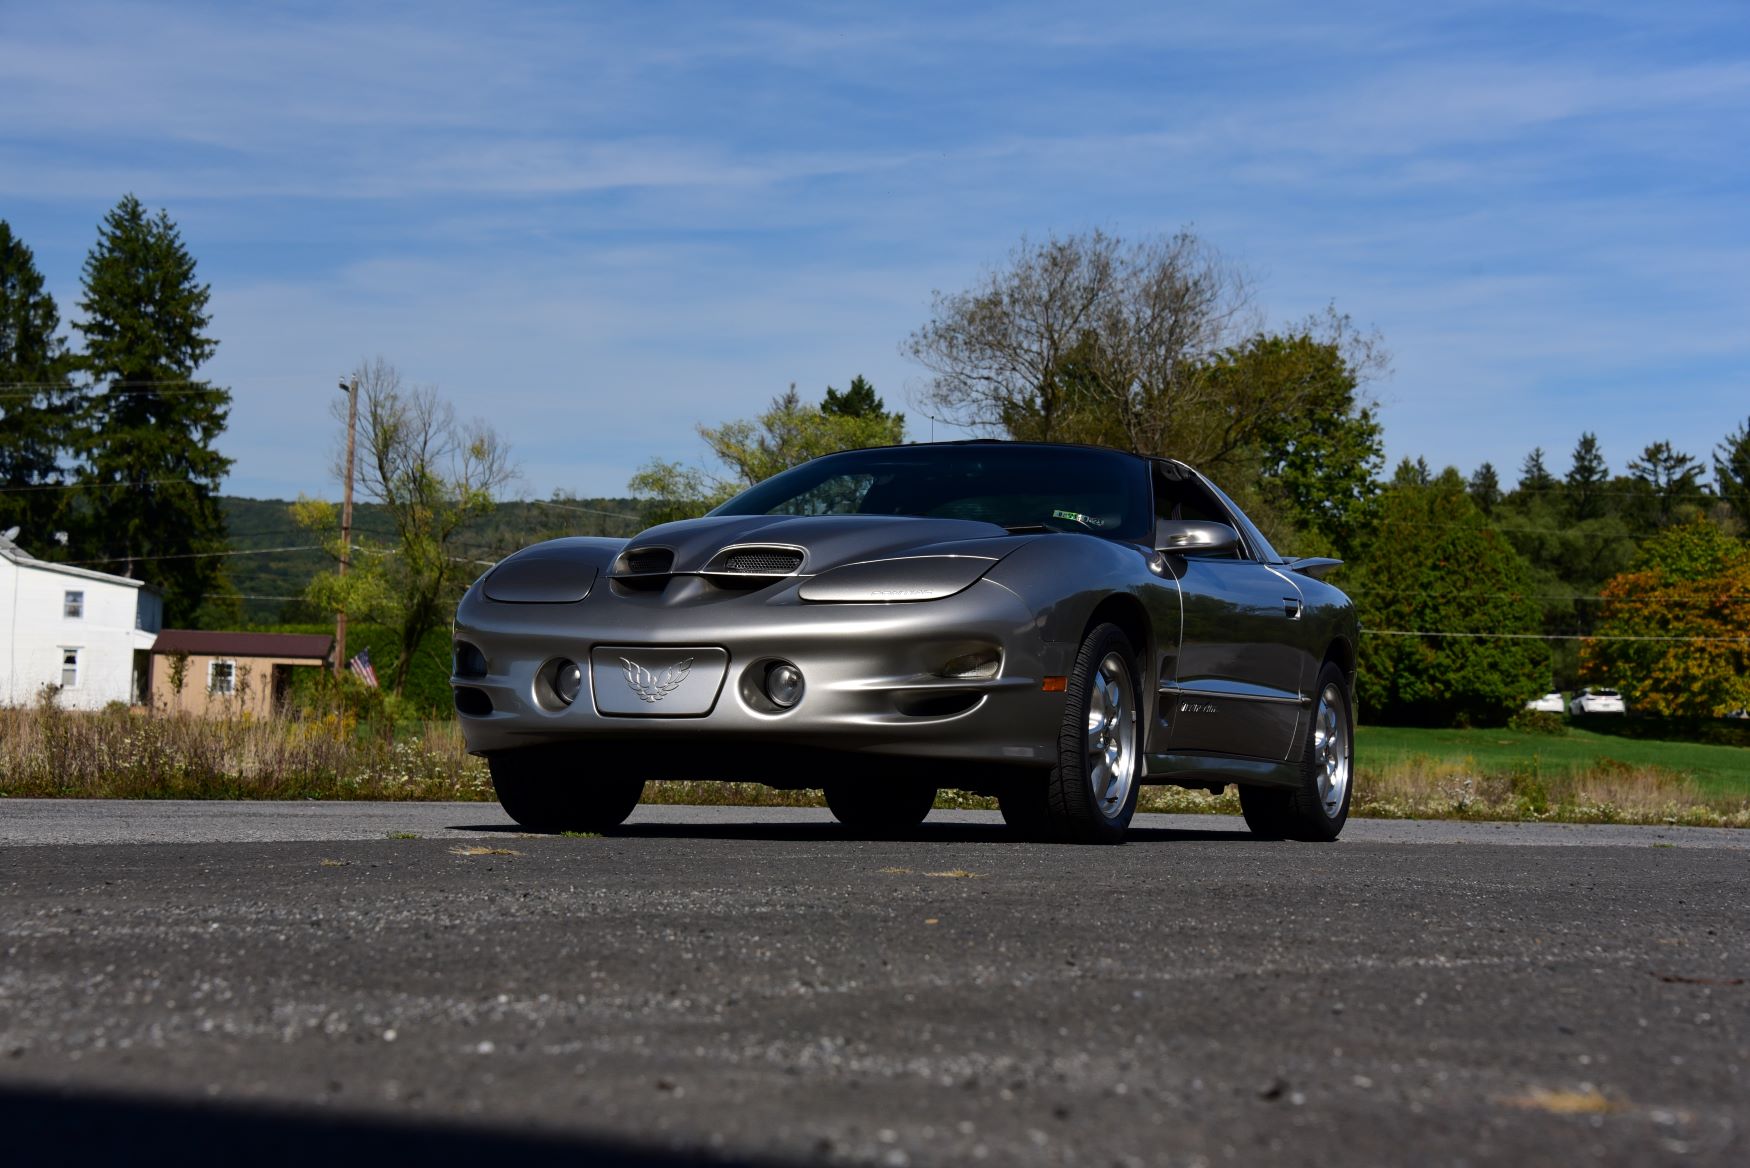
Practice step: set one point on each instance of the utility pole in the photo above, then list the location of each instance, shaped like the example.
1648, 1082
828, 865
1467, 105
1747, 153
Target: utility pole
351, 387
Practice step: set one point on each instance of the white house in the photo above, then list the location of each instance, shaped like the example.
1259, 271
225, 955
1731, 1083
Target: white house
89, 633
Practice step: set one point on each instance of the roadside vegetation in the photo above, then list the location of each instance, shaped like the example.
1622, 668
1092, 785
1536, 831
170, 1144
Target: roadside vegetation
46, 751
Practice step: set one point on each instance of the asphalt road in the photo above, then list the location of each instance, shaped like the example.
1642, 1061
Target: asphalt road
288, 984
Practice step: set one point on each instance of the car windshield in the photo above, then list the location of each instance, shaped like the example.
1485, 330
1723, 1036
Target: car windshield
1019, 487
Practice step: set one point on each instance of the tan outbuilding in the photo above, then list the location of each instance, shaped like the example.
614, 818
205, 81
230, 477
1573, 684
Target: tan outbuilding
226, 673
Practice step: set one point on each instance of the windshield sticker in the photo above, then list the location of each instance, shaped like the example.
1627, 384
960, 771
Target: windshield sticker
1078, 517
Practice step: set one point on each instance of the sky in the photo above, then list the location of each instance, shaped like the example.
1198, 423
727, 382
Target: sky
598, 225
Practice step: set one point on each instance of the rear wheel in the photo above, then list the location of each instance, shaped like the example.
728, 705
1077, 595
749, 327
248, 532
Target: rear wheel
1317, 809
877, 807
543, 790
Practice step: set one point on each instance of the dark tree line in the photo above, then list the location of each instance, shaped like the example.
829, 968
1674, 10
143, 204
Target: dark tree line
107, 450
1507, 585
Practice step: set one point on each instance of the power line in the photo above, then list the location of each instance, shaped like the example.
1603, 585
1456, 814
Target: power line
1551, 637
587, 510
125, 486
191, 555
121, 387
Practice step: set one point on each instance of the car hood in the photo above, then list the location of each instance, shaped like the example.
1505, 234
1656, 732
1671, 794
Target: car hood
826, 541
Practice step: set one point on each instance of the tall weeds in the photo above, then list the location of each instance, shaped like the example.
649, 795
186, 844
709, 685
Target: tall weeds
47, 751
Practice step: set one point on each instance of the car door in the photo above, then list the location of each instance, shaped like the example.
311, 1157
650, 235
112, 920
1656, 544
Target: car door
1239, 681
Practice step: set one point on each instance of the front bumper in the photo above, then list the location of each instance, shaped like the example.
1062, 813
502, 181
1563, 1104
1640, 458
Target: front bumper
873, 682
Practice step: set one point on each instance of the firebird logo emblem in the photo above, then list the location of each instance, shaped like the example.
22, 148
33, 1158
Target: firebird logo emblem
653, 687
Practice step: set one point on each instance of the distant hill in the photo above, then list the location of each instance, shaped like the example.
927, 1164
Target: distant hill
272, 580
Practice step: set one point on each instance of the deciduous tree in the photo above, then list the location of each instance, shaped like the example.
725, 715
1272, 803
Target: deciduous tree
1683, 613
1439, 569
431, 473
749, 450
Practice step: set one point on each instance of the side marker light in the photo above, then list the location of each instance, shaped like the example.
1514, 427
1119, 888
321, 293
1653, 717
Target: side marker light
1054, 684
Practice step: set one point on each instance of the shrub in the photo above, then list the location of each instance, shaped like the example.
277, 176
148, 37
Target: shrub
1538, 722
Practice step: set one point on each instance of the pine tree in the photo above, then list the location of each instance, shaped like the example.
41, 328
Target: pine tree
36, 399
859, 401
1586, 479
1673, 477
1534, 476
1485, 488
1412, 474
1732, 474
150, 467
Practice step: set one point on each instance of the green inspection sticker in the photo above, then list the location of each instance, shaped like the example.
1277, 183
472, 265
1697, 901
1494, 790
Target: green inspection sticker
1077, 517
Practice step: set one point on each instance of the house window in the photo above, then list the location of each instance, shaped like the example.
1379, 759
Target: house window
69, 668
73, 606
222, 677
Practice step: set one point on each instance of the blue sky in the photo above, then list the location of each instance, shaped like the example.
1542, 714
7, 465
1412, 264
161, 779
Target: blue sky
596, 225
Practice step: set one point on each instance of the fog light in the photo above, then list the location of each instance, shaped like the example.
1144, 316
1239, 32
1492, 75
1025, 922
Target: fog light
784, 684
982, 664
567, 681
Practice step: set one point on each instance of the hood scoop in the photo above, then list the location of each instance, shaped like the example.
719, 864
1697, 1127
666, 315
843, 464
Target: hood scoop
645, 561
756, 560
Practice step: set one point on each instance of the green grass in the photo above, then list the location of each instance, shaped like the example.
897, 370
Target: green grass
1715, 770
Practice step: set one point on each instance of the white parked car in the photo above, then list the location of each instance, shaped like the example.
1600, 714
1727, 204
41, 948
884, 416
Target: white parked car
1549, 703
1596, 701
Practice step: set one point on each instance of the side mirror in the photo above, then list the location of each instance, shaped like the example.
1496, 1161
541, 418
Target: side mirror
1190, 536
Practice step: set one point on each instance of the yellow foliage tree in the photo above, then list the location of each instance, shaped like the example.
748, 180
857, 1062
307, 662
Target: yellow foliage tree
1688, 596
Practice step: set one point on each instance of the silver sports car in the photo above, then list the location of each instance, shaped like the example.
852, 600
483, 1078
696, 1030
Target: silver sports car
1050, 625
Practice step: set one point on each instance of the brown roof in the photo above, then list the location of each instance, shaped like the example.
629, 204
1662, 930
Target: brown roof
213, 643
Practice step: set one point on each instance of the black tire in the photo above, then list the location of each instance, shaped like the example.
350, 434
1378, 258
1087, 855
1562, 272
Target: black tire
1312, 812
543, 790
1105, 677
877, 807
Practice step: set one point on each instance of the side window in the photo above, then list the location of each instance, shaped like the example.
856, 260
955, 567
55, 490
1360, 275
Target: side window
1181, 496
73, 606
222, 677
69, 668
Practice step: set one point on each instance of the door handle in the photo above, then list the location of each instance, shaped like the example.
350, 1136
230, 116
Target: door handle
1291, 605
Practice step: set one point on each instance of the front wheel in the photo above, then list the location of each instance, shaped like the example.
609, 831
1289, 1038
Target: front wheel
1090, 795
543, 790
1316, 810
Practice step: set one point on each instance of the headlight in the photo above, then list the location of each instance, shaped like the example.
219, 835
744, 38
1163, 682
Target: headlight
904, 579
540, 577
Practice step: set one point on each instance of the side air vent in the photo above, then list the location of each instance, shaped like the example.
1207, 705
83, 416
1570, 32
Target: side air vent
647, 561
757, 561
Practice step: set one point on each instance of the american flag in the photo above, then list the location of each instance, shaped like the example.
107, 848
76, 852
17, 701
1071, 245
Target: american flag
361, 668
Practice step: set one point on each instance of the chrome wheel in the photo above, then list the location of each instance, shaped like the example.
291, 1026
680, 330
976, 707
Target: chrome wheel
1330, 750
1112, 735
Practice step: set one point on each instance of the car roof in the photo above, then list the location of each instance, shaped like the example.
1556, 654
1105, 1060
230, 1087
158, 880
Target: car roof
1000, 442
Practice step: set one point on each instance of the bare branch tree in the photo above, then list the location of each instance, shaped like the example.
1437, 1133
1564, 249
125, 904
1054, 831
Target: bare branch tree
1088, 337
